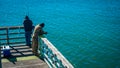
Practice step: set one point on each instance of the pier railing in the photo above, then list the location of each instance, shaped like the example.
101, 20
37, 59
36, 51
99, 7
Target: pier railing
16, 36
51, 55
12, 35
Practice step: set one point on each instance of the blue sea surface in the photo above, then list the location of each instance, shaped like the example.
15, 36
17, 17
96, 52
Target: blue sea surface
86, 32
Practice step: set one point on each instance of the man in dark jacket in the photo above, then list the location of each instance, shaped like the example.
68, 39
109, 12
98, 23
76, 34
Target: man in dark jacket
28, 26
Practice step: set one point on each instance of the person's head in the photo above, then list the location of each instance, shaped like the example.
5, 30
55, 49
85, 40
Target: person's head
42, 24
26, 17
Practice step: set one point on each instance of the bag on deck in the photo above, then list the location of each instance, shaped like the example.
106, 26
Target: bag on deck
6, 51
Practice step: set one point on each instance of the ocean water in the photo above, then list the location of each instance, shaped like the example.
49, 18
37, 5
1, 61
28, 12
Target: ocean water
86, 32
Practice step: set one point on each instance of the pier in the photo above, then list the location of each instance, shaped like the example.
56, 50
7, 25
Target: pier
21, 54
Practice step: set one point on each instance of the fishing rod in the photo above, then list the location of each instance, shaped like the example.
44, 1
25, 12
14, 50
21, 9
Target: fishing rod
27, 10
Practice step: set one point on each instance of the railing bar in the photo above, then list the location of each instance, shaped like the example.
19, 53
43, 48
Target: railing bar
3, 28
17, 38
3, 39
13, 33
16, 42
14, 27
47, 63
3, 43
12, 38
12, 43
3, 34
18, 33
7, 36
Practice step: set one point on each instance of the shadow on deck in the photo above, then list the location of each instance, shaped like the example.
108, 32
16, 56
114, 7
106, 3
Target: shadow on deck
22, 57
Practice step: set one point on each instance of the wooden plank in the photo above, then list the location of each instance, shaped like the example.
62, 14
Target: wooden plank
28, 63
21, 58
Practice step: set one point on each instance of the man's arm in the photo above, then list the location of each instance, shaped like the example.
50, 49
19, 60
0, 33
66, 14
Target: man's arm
41, 32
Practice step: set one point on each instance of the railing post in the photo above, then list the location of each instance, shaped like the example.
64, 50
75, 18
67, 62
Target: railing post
7, 31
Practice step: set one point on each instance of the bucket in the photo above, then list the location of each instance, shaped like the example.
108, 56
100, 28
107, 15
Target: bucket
6, 51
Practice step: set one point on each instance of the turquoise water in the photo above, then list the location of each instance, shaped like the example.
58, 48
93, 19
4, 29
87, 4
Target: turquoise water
87, 32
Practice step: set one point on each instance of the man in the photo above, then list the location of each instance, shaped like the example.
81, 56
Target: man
38, 31
28, 26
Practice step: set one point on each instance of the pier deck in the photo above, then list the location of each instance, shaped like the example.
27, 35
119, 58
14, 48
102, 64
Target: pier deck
22, 57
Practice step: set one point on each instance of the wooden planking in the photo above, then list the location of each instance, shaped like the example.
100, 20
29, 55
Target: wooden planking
59, 55
22, 57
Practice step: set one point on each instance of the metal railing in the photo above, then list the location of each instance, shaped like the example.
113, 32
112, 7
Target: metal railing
12, 35
51, 55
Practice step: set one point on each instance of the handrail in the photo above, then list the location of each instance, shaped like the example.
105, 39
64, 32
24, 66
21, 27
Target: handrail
13, 27
51, 55
8, 35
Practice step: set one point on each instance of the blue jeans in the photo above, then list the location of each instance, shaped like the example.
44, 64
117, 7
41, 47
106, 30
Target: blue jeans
28, 38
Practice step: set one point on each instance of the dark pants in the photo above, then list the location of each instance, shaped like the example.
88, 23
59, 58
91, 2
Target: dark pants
28, 38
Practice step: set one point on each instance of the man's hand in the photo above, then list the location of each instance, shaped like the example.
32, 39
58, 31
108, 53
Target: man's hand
46, 32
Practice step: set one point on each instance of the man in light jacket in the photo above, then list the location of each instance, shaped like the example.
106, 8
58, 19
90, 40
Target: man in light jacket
38, 31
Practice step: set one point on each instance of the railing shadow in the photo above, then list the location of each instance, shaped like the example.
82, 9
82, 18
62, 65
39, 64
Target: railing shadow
12, 59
